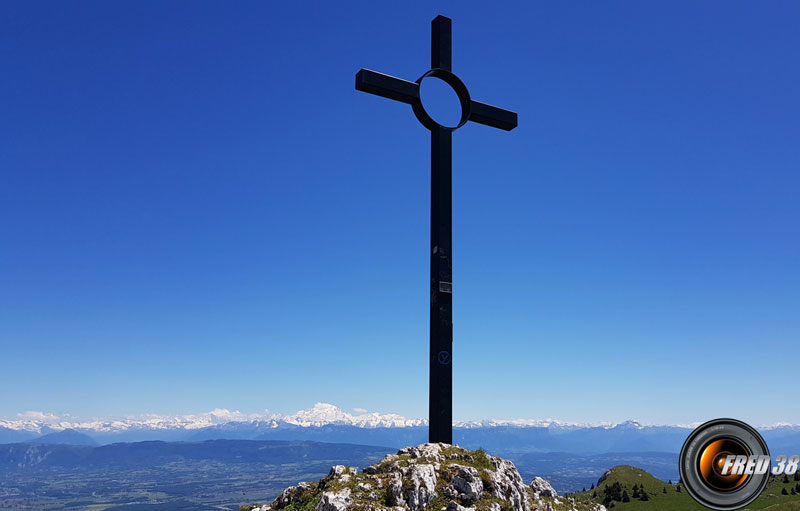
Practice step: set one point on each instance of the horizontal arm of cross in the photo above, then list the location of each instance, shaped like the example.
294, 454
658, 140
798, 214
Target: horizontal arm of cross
387, 86
492, 116
408, 92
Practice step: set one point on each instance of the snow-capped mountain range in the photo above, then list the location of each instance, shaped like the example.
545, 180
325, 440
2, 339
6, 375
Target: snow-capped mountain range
322, 414
328, 423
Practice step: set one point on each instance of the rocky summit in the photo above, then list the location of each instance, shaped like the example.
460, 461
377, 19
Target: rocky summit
438, 477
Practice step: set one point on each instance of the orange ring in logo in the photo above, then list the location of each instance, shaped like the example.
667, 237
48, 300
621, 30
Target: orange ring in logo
713, 459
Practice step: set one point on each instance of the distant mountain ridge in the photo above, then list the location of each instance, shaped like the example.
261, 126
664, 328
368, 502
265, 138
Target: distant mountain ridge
66, 437
320, 415
327, 423
27, 456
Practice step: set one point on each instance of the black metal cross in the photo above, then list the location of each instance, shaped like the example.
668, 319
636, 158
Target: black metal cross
440, 408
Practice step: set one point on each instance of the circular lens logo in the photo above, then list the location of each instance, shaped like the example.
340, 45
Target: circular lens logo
725, 464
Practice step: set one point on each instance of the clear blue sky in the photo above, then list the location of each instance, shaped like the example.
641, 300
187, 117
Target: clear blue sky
198, 210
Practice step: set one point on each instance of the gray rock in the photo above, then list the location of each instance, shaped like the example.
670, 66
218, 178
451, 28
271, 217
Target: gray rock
506, 482
542, 488
340, 472
467, 482
432, 451
290, 494
339, 501
394, 492
450, 492
455, 506
423, 485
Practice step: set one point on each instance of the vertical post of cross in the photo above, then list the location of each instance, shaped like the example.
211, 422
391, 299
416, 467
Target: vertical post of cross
440, 400
440, 408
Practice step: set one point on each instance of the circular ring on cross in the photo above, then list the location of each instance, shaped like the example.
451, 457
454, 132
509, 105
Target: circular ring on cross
460, 90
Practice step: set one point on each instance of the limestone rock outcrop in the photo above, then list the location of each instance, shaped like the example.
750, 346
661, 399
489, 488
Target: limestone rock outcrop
542, 488
435, 477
